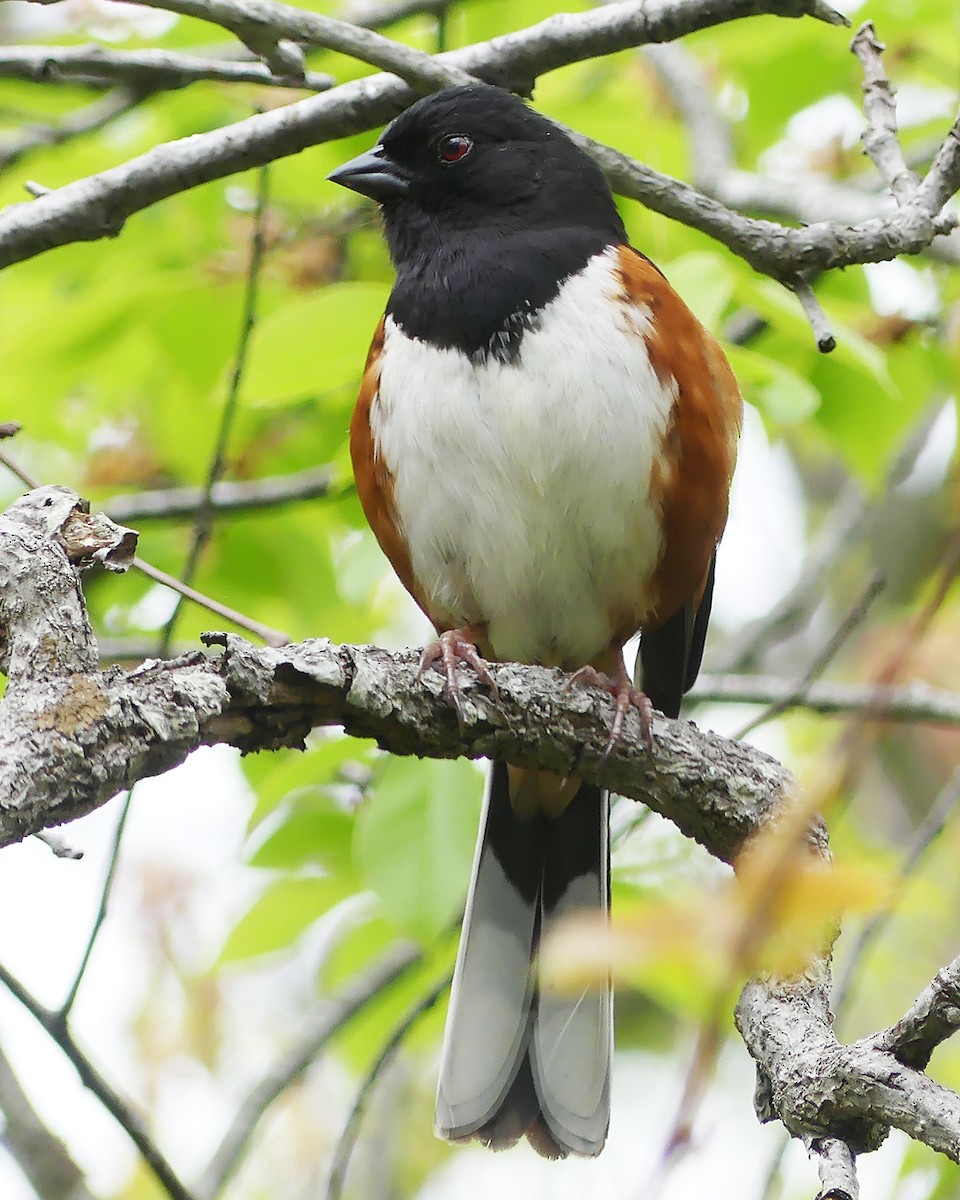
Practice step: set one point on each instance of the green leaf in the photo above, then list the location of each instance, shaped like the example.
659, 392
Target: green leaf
282, 913
706, 282
781, 394
414, 844
313, 345
309, 828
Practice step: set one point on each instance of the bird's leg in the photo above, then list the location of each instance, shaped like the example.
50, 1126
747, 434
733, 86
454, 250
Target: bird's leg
447, 649
625, 696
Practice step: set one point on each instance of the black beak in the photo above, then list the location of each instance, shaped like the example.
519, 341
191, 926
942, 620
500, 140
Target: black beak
372, 174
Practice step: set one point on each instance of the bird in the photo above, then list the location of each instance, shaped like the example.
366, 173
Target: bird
543, 445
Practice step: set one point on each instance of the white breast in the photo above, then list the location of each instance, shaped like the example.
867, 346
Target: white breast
523, 489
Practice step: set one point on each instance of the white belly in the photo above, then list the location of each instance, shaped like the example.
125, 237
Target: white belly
523, 490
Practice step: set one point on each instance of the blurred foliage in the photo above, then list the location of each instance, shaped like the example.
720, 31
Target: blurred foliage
116, 358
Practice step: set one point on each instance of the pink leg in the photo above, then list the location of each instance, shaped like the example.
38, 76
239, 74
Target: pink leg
625, 696
447, 649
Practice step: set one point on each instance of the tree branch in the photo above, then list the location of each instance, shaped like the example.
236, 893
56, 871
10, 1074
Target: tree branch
911, 702
97, 206
225, 497
810, 200
329, 1019
89, 119
881, 140
70, 739
932, 1018
40, 1154
146, 70
120, 1109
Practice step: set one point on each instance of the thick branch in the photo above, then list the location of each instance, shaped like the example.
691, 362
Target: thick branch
67, 745
932, 1018
816, 1086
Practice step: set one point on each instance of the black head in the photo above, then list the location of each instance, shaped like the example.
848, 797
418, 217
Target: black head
477, 157
483, 197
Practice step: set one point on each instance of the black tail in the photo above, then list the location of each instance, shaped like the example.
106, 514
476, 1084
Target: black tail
518, 1060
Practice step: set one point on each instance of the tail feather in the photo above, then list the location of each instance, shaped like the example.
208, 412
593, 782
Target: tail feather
518, 1061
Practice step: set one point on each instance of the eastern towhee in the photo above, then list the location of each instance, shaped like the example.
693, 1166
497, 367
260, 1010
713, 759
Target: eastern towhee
543, 445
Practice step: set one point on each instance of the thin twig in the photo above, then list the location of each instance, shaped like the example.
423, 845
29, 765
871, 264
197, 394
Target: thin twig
881, 139
67, 1005
326, 1024
826, 655
147, 69
121, 1110
801, 288
262, 25
926, 833
348, 1138
272, 637
89, 119
40, 1154
203, 520
852, 519
909, 703
58, 844
246, 495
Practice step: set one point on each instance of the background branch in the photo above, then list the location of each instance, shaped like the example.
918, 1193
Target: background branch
226, 496
146, 70
40, 1154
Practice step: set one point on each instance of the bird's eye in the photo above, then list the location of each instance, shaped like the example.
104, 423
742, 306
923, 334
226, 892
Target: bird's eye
451, 149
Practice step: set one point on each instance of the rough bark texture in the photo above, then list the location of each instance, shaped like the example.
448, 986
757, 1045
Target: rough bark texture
71, 736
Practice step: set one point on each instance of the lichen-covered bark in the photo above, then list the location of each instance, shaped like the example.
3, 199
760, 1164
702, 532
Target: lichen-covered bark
72, 735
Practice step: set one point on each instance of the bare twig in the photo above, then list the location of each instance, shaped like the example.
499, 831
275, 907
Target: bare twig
272, 637
852, 519
58, 845
67, 1005
915, 702
262, 25
811, 200
388, 1051
225, 496
924, 836
826, 342
203, 518
119, 1108
40, 1154
325, 1025
146, 70
881, 139
89, 119
823, 658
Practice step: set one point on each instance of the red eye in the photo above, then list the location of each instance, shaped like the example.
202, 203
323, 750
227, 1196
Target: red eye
452, 149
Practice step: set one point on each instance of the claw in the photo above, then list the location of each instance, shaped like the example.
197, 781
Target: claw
625, 696
447, 649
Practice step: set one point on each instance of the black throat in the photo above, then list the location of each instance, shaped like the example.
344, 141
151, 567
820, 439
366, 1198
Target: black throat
479, 291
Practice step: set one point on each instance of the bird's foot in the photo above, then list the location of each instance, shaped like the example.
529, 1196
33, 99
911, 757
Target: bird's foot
625, 696
446, 650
